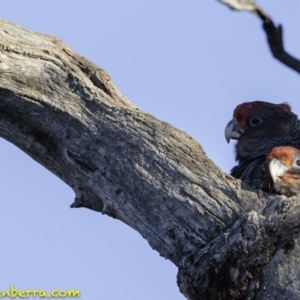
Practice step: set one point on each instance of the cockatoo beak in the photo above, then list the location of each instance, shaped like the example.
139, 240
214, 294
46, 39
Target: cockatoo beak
233, 131
276, 169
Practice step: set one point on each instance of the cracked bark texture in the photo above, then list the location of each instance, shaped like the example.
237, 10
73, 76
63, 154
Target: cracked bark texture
227, 240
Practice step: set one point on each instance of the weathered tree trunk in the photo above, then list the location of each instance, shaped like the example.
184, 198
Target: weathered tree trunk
227, 240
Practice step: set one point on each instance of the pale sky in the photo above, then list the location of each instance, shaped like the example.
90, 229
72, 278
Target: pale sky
186, 62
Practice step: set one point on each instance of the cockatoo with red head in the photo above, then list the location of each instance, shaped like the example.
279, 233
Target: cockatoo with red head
283, 166
258, 127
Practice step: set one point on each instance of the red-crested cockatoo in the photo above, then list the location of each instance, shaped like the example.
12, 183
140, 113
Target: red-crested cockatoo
259, 127
283, 166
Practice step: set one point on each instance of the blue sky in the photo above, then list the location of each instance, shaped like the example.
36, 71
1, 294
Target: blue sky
186, 62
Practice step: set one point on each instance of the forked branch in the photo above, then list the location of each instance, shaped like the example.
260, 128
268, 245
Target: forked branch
274, 33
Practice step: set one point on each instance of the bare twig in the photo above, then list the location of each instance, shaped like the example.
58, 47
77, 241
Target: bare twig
275, 40
274, 34
247, 5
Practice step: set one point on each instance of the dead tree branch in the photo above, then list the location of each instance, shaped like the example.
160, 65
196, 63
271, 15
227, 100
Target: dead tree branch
274, 33
228, 241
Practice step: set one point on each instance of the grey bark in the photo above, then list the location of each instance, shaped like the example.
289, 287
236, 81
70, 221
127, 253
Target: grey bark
227, 240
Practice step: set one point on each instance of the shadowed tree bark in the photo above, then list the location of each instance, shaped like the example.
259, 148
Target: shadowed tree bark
227, 240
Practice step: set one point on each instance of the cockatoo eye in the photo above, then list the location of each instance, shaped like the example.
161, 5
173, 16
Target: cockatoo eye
298, 162
255, 121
